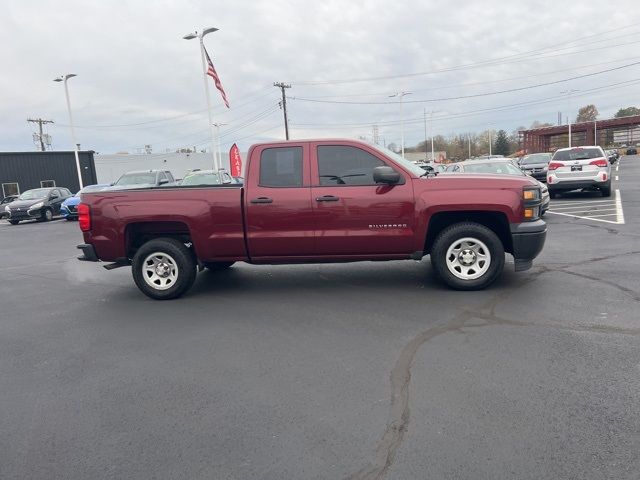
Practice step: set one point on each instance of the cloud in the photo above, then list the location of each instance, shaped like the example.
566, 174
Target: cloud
133, 66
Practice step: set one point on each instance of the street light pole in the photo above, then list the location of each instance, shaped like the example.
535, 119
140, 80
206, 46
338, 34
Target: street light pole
63, 79
216, 162
401, 95
218, 125
569, 92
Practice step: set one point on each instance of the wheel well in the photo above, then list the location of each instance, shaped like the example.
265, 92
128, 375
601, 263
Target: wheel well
495, 221
137, 234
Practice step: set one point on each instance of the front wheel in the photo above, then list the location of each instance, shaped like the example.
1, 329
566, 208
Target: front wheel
164, 268
468, 256
47, 215
14, 222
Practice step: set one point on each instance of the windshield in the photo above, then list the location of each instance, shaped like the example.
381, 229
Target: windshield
137, 179
504, 168
536, 158
202, 179
577, 154
412, 167
35, 194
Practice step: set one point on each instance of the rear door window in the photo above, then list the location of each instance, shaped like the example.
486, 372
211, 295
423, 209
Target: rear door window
281, 167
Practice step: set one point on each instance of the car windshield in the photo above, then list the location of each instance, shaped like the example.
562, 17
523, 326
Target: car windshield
207, 178
536, 158
412, 167
577, 154
137, 179
35, 194
505, 168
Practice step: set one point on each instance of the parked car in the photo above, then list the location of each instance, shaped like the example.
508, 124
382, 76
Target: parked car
6, 201
68, 209
536, 165
208, 177
632, 151
40, 203
613, 155
501, 166
318, 201
144, 179
579, 168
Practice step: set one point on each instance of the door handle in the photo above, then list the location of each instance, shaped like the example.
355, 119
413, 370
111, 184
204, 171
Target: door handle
262, 200
327, 198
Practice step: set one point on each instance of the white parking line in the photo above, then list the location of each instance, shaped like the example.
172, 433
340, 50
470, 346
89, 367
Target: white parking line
596, 210
616, 178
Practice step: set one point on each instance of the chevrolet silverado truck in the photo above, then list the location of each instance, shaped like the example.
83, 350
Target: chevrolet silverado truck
317, 201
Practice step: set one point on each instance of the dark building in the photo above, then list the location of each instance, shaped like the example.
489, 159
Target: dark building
20, 171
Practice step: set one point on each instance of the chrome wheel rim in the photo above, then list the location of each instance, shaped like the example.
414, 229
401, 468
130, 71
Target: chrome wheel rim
160, 271
468, 258
48, 215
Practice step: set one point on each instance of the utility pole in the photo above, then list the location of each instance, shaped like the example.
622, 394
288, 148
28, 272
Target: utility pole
40, 122
426, 155
282, 86
376, 136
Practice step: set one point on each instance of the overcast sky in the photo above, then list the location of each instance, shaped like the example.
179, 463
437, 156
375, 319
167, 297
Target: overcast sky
140, 83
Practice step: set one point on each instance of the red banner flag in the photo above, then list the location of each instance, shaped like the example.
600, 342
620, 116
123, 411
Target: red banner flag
236, 161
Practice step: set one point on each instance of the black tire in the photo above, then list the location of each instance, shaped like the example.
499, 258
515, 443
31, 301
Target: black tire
218, 266
14, 222
184, 267
449, 237
606, 191
552, 194
47, 215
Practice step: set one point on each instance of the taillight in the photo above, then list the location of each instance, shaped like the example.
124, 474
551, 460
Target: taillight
84, 217
554, 165
601, 162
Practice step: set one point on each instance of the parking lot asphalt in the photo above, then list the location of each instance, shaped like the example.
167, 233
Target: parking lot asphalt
353, 371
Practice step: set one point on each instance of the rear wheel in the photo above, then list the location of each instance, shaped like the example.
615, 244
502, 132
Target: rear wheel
217, 266
552, 194
606, 191
164, 268
468, 256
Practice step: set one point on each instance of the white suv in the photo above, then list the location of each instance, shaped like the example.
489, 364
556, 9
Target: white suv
579, 167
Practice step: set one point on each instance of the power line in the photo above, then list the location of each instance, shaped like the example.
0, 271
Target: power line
462, 97
514, 58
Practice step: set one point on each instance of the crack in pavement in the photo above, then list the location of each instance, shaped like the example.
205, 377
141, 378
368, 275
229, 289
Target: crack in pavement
399, 413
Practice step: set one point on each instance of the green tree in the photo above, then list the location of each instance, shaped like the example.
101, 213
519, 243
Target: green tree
588, 113
627, 112
501, 145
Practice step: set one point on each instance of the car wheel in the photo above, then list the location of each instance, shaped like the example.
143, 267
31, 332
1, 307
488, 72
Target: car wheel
468, 256
47, 215
217, 266
552, 194
606, 191
14, 222
164, 268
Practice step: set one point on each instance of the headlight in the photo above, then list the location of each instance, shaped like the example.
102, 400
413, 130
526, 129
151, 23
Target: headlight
36, 206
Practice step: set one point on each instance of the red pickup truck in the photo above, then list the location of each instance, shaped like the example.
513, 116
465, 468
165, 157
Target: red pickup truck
317, 201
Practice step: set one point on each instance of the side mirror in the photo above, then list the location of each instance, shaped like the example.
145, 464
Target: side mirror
385, 174
163, 181
53, 197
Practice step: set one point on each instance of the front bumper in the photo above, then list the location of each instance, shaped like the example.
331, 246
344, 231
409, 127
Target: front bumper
528, 240
24, 214
68, 212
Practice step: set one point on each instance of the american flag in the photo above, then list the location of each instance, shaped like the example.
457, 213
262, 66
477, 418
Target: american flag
211, 71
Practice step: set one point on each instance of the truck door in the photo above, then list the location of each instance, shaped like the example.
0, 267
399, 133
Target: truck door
278, 202
353, 214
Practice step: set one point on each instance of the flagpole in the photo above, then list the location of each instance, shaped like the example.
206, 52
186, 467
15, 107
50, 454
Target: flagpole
216, 162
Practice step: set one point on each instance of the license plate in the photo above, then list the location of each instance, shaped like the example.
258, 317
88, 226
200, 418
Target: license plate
576, 168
